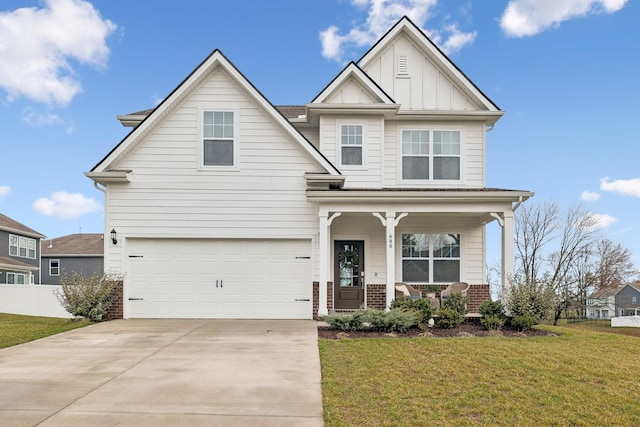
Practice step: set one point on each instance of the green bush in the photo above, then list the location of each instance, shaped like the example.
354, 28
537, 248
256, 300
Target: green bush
523, 322
422, 306
394, 320
492, 322
88, 296
493, 317
457, 302
346, 321
530, 299
449, 318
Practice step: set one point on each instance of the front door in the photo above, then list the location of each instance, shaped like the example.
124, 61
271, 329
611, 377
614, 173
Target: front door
348, 281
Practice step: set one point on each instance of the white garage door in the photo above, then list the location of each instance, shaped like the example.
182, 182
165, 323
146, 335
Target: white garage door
238, 279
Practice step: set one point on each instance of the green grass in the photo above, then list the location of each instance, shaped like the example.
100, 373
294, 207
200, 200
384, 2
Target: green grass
17, 329
578, 378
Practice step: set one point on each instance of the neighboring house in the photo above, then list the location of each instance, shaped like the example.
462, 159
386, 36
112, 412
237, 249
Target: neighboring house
602, 303
75, 253
223, 205
628, 300
19, 253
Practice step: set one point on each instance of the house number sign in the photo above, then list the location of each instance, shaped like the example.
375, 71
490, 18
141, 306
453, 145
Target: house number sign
390, 241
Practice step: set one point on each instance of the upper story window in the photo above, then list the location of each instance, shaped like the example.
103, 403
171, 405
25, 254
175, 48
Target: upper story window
430, 258
20, 246
54, 267
430, 155
218, 131
351, 145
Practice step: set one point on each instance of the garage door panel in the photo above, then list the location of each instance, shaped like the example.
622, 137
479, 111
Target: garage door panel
254, 278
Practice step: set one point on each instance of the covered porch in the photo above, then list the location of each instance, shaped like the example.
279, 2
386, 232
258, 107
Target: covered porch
371, 240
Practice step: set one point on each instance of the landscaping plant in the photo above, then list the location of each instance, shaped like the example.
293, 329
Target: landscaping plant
88, 296
421, 306
493, 317
346, 321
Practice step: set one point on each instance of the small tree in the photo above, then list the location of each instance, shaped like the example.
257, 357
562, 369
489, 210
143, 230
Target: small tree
534, 300
88, 296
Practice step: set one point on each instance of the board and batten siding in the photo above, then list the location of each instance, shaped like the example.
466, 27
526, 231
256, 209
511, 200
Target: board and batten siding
424, 86
472, 153
370, 174
170, 195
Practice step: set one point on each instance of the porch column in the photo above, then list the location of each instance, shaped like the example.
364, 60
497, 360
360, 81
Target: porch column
323, 258
391, 261
507, 249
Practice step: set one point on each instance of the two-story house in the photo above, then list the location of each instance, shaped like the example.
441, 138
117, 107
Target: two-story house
19, 253
81, 253
628, 300
601, 304
220, 204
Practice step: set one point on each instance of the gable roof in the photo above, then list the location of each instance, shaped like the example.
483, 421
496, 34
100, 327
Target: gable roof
353, 71
79, 244
605, 292
406, 26
11, 225
106, 169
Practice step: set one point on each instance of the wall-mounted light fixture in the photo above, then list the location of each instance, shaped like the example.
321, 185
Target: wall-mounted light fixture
113, 236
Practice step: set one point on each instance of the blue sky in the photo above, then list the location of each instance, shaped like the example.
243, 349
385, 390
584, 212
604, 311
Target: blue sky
564, 72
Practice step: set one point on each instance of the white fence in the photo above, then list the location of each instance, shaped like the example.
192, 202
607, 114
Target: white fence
633, 321
32, 300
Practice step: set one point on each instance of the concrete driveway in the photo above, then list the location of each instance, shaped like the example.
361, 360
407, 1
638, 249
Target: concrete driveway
166, 373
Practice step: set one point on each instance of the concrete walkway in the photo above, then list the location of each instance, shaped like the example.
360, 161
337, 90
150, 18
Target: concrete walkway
166, 373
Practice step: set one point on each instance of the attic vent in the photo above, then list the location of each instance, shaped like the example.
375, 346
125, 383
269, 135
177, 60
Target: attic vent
403, 65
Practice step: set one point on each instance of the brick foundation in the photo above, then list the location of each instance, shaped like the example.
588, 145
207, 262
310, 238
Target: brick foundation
116, 311
316, 298
377, 296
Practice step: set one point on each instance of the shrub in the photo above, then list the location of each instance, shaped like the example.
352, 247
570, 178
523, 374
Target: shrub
493, 317
422, 306
530, 299
87, 296
523, 322
457, 302
449, 318
346, 321
394, 320
492, 322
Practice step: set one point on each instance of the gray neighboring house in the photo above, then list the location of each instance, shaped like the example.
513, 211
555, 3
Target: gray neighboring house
19, 253
602, 303
628, 300
79, 253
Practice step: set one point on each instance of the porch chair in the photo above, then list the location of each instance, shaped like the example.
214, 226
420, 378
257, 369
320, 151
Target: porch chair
408, 291
455, 288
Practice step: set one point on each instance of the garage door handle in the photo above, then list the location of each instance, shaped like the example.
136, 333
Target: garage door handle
303, 299
136, 299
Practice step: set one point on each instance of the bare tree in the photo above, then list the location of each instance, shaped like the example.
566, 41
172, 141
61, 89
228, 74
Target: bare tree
613, 265
535, 228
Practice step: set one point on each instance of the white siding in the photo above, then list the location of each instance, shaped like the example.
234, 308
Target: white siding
169, 196
472, 152
370, 174
426, 87
350, 93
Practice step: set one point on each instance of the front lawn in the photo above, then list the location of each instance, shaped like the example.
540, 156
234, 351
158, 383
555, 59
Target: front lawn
577, 378
17, 329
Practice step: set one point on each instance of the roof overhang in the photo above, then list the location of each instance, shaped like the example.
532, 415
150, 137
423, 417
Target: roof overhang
419, 196
489, 117
109, 177
324, 181
131, 120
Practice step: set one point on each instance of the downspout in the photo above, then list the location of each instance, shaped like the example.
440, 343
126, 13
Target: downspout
103, 189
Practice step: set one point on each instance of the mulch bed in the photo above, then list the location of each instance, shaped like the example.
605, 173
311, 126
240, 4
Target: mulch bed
467, 329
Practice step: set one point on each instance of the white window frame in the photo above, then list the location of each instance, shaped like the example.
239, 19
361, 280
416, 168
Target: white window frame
430, 257
31, 248
22, 246
13, 244
431, 156
233, 139
15, 277
340, 145
51, 267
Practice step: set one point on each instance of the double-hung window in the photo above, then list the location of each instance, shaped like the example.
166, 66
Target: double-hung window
351, 145
16, 278
430, 155
21, 246
54, 267
218, 131
430, 258
13, 245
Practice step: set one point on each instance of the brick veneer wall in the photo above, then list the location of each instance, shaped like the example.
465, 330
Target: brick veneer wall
477, 295
316, 298
116, 311
376, 296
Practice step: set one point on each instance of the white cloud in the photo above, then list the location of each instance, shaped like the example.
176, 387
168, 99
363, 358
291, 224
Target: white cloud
35, 119
382, 15
589, 196
524, 18
626, 187
37, 45
5, 190
66, 205
603, 220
